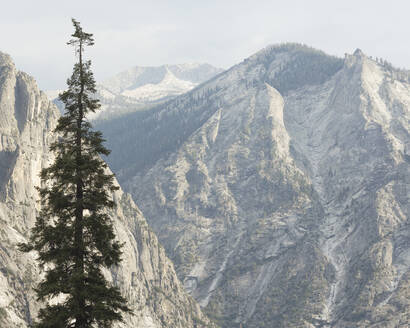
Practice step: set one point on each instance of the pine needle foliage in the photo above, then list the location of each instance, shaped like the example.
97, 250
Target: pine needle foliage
73, 235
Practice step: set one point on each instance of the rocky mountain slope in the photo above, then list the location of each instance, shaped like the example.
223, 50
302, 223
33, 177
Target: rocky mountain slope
142, 87
280, 189
146, 276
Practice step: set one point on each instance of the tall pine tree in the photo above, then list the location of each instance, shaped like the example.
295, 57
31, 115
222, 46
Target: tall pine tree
73, 235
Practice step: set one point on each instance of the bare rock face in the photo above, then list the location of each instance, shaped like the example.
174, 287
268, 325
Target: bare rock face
146, 276
280, 189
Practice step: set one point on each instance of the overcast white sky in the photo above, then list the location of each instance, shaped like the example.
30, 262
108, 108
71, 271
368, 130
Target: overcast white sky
222, 33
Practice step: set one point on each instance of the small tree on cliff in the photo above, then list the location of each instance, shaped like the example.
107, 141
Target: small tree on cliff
73, 235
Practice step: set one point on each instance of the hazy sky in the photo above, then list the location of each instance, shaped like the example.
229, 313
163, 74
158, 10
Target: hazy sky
222, 33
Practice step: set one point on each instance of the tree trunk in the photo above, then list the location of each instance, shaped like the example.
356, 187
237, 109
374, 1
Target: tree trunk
81, 318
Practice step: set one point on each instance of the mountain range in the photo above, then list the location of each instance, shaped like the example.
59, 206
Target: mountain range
280, 189
139, 87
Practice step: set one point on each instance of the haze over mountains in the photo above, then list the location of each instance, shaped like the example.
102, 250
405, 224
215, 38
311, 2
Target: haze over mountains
279, 189
142, 87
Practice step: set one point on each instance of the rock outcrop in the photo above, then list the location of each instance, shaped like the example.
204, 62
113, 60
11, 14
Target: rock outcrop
146, 276
280, 189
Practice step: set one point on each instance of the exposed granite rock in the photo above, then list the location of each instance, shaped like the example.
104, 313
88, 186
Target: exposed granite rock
146, 276
285, 202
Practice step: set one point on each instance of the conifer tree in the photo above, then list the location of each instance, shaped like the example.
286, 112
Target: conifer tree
73, 235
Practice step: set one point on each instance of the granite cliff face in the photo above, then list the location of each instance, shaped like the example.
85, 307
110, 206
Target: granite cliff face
146, 276
280, 189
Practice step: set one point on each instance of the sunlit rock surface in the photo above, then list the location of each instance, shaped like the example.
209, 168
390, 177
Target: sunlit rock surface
280, 189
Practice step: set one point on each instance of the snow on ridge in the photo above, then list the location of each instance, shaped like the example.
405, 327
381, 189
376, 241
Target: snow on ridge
170, 85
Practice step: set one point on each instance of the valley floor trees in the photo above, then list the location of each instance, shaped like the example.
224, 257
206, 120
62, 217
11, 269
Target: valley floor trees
73, 235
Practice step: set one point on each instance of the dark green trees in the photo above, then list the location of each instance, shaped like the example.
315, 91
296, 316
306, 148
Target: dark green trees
73, 235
